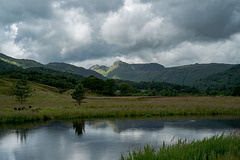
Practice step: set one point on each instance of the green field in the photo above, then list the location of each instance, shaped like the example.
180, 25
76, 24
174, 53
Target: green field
46, 103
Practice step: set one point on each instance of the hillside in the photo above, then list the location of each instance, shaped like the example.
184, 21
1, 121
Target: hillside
59, 79
63, 81
25, 63
4, 65
189, 73
155, 72
100, 69
73, 69
12, 63
223, 82
6, 84
125, 71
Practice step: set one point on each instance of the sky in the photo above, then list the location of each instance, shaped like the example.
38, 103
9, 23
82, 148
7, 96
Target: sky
89, 32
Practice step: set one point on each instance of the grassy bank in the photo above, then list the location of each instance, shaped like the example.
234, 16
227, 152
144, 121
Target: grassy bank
46, 104
214, 148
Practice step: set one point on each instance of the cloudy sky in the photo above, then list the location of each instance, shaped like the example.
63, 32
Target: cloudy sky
88, 32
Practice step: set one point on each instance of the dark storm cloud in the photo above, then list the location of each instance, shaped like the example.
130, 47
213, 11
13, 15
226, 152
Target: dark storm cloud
15, 11
94, 6
207, 18
171, 32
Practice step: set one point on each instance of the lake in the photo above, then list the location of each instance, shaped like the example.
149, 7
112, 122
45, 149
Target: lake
102, 139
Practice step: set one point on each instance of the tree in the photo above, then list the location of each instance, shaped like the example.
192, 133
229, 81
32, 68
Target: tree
152, 92
166, 92
126, 89
109, 87
79, 93
22, 90
93, 84
236, 91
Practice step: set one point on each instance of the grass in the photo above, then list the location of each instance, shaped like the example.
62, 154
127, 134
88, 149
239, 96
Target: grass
46, 104
214, 148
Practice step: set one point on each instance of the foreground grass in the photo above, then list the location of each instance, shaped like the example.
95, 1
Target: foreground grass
216, 147
46, 104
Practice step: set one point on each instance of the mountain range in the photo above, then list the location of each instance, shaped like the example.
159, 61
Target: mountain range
199, 75
184, 75
64, 67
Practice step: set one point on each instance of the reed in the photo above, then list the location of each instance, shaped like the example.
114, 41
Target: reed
214, 148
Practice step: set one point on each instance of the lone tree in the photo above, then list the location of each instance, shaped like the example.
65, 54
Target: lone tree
79, 93
22, 90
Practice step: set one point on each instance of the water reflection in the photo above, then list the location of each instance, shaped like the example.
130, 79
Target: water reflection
79, 126
119, 126
102, 139
22, 134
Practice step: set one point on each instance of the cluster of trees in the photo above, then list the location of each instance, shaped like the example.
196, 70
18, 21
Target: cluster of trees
63, 82
236, 91
111, 87
219, 90
156, 88
99, 86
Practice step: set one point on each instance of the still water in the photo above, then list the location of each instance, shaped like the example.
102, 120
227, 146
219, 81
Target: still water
101, 139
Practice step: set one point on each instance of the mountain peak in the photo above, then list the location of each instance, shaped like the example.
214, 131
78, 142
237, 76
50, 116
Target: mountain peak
98, 67
118, 63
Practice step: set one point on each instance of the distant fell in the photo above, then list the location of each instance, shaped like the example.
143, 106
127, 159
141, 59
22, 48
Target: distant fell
189, 73
125, 71
24, 63
8, 63
4, 65
100, 69
73, 69
183, 75
223, 81
155, 72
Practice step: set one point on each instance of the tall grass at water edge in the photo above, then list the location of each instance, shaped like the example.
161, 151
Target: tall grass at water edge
214, 148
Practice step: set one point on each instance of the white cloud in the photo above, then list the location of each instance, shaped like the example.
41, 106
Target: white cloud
135, 31
7, 44
76, 30
224, 51
65, 33
121, 27
135, 24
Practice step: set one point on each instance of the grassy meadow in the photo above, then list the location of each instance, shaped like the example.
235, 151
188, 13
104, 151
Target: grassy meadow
46, 103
